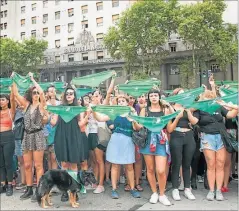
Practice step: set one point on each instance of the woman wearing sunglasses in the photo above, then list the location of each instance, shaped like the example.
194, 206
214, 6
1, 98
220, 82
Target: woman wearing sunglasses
33, 143
7, 144
70, 137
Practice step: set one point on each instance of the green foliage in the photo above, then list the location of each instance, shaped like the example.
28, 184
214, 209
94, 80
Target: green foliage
141, 34
21, 57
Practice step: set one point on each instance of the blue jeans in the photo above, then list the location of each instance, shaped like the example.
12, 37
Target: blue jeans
211, 141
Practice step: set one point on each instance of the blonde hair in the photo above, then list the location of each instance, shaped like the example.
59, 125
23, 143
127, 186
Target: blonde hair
122, 96
207, 94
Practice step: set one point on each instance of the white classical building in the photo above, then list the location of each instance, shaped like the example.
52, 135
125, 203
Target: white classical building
74, 31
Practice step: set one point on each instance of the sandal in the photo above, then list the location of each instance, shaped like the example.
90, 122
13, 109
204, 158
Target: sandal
139, 188
127, 188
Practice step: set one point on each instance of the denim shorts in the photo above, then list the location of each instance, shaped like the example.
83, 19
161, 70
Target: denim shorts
211, 141
18, 147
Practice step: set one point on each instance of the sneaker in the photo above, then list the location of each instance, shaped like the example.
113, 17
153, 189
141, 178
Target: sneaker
9, 190
219, 196
164, 200
200, 179
114, 194
224, 190
20, 186
122, 180
188, 194
154, 198
99, 189
135, 193
175, 195
210, 196
235, 176
181, 186
90, 187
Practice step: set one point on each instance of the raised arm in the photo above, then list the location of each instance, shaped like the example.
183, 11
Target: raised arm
13, 104
100, 118
110, 90
193, 120
84, 117
24, 103
173, 124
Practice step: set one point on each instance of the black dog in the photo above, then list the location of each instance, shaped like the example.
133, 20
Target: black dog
64, 182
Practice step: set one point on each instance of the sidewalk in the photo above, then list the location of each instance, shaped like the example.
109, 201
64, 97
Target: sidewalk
230, 202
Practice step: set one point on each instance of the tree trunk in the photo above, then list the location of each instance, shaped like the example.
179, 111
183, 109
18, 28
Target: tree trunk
193, 79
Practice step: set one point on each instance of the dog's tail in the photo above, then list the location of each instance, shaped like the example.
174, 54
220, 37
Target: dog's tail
41, 189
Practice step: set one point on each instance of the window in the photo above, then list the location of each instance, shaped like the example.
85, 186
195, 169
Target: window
5, 13
172, 47
84, 24
45, 3
99, 37
57, 29
70, 27
34, 20
57, 43
1, 14
84, 56
215, 68
115, 3
33, 33
57, 2
174, 70
23, 35
57, 59
100, 55
99, 6
84, 9
70, 12
1, 26
115, 18
6, 2
71, 57
70, 41
45, 18
23, 9
45, 32
34, 7
57, 15
99, 21
22, 22
5, 25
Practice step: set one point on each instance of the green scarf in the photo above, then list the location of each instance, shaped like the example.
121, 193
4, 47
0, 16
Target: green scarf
154, 124
74, 175
23, 82
80, 92
93, 80
67, 113
57, 85
209, 106
228, 91
231, 98
226, 83
5, 82
135, 90
112, 111
145, 82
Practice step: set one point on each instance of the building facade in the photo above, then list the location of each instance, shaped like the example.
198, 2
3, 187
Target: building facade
74, 31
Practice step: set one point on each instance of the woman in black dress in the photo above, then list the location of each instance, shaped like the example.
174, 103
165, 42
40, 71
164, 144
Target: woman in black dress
69, 138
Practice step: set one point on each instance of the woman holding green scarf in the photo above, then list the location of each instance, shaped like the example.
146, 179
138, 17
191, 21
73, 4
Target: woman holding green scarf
69, 138
155, 151
120, 149
33, 143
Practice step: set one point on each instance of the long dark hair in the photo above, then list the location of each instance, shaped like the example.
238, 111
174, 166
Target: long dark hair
64, 101
7, 98
155, 91
28, 94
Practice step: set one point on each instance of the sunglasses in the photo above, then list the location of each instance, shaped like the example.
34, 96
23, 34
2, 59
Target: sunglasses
69, 93
35, 93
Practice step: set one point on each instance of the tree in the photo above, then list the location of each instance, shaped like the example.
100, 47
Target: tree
21, 57
141, 34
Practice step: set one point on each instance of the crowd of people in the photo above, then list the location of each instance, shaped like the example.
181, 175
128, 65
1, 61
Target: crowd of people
189, 147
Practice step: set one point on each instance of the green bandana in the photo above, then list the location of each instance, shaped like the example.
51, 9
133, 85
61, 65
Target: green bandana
154, 124
67, 113
209, 106
57, 85
231, 98
145, 82
74, 176
229, 91
231, 83
112, 111
135, 90
93, 80
5, 82
80, 92
23, 82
